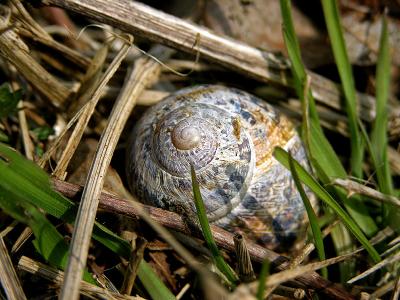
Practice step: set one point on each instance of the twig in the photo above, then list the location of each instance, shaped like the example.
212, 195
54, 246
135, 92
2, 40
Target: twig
29, 265
137, 18
380, 265
8, 277
355, 187
223, 238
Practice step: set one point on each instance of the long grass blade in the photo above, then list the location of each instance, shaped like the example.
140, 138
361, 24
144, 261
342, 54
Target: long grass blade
205, 226
379, 140
321, 153
331, 13
283, 157
312, 217
30, 187
48, 241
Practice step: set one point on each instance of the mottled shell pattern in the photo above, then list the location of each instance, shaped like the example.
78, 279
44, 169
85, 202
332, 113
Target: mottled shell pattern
228, 136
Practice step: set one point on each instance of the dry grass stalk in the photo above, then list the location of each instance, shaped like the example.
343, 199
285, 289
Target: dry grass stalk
8, 277
136, 81
13, 49
387, 261
22, 238
94, 93
133, 264
137, 18
31, 29
384, 289
183, 291
8, 229
27, 21
223, 238
356, 188
26, 139
95, 96
29, 265
307, 249
287, 275
396, 291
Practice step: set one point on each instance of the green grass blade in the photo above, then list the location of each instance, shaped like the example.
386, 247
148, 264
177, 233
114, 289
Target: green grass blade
205, 226
328, 166
262, 279
379, 138
48, 242
30, 185
379, 129
297, 66
321, 153
331, 13
283, 157
312, 217
153, 285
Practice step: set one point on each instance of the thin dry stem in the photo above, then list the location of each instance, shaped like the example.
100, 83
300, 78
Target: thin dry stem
137, 18
223, 238
22, 238
94, 94
387, 261
384, 289
8, 229
357, 188
396, 291
137, 80
287, 275
133, 264
8, 277
29, 265
26, 139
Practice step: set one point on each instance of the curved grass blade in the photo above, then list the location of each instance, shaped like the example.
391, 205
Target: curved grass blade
283, 157
331, 13
312, 217
31, 186
320, 151
205, 226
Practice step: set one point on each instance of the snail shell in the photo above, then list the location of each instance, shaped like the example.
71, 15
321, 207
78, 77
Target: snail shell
228, 136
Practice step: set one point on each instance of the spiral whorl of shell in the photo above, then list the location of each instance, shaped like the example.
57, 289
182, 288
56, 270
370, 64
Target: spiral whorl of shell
228, 137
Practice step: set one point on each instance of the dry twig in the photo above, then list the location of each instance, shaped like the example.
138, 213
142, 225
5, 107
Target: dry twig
223, 238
